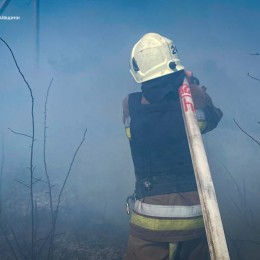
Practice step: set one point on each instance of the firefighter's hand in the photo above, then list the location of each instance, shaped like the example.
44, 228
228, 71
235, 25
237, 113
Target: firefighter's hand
199, 95
189, 74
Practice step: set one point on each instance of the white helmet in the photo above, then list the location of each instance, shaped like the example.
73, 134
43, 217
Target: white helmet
154, 56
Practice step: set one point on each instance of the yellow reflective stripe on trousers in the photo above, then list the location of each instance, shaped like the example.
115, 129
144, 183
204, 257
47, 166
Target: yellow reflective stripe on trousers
167, 211
172, 250
166, 224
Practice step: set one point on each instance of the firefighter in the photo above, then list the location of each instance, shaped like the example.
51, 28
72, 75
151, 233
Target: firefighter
166, 220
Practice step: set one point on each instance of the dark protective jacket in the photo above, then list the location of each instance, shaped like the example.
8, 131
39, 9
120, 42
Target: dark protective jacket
159, 147
158, 141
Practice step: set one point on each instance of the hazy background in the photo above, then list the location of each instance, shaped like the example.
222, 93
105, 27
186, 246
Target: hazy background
85, 46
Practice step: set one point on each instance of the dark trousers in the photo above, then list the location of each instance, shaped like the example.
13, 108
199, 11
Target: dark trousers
138, 249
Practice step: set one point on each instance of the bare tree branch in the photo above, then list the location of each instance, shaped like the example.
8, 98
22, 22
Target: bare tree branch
242, 209
246, 132
50, 250
44, 238
8, 241
18, 244
255, 53
45, 241
37, 180
31, 150
27, 186
36, 221
17, 133
70, 167
241, 199
65, 181
252, 77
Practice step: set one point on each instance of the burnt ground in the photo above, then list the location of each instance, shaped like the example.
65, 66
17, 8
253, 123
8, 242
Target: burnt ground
80, 234
92, 243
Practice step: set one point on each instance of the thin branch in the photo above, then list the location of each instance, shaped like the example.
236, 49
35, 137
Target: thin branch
65, 181
8, 242
255, 53
246, 132
37, 180
252, 77
31, 150
17, 133
43, 244
251, 220
17, 66
242, 209
237, 206
27, 186
36, 224
245, 202
50, 250
238, 189
44, 238
71, 164
242, 199
45, 241
18, 244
